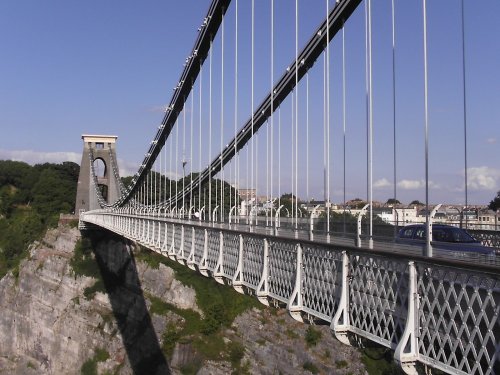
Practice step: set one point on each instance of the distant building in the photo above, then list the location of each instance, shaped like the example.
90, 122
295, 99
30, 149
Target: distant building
247, 194
400, 216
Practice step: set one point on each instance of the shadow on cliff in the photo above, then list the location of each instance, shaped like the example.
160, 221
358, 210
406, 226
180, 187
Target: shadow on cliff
121, 280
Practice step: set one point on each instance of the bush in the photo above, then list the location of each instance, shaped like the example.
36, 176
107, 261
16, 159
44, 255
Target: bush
312, 336
215, 317
31, 199
90, 291
83, 262
341, 364
236, 353
90, 365
309, 366
170, 338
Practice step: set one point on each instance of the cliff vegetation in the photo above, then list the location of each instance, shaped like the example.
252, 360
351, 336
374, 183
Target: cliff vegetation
31, 199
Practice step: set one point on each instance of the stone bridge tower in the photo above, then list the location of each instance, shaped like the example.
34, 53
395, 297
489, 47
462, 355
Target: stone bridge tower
98, 151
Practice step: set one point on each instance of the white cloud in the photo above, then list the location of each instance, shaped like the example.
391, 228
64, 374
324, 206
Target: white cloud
382, 183
37, 157
127, 168
411, 184
491, 140
416, 184
483, 178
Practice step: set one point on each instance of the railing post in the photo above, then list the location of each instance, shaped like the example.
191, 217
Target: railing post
158, 243
143, 232
294, 304
146, 236
238, 275
164, 247
219, 268
180, 254
191, 259
203, 263
340, 322
406, 353
153, 226
263, 287
171, 249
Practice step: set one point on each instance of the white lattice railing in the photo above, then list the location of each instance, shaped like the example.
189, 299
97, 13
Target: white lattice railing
439, 313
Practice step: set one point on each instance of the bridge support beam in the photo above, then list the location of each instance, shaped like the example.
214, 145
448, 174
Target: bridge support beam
219, 268
191, 259
341, 322
294, 305
406, 353
263, 287
238, 275
203, 263
171, 249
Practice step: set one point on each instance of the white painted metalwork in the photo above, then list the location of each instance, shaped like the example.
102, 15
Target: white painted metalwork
433, 312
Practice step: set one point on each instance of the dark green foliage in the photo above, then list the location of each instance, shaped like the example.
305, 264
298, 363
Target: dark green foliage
90, 366
170, 337
227, 190
309, 366
236, 353
391, 201
312, 336
215, 317
16, 233
341, 364
31, 199
289, 201
220, 305
90, 291
379, 360
211, 296
82, 262
357, 203
101, 355
495, 203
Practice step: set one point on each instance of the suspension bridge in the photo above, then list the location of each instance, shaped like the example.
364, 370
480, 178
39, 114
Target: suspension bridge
282, 110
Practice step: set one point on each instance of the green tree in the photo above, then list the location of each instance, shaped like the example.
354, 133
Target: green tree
416, 203
288, 200
392, 201
357, 203
53, 194
31, 198
495, 203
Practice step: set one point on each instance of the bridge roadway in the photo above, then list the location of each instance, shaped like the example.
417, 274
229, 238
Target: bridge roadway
438, 312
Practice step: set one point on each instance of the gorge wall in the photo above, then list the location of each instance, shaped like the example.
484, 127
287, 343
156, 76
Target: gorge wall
137, 317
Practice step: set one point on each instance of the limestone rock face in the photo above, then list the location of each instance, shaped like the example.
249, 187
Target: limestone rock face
48, 326
275, 343
161, 283
51, 324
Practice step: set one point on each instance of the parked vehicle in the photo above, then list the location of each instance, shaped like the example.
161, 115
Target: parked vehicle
445, 237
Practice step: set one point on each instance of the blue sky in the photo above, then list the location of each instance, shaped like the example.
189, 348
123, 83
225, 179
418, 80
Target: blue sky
70, 68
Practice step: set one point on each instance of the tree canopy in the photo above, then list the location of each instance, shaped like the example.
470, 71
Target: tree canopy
31, 199
392, 201
495, 203
416, 202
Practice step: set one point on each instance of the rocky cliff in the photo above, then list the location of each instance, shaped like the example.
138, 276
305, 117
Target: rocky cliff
135, 316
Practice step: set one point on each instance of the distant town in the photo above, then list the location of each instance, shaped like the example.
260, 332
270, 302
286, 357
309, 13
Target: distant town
479, 217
